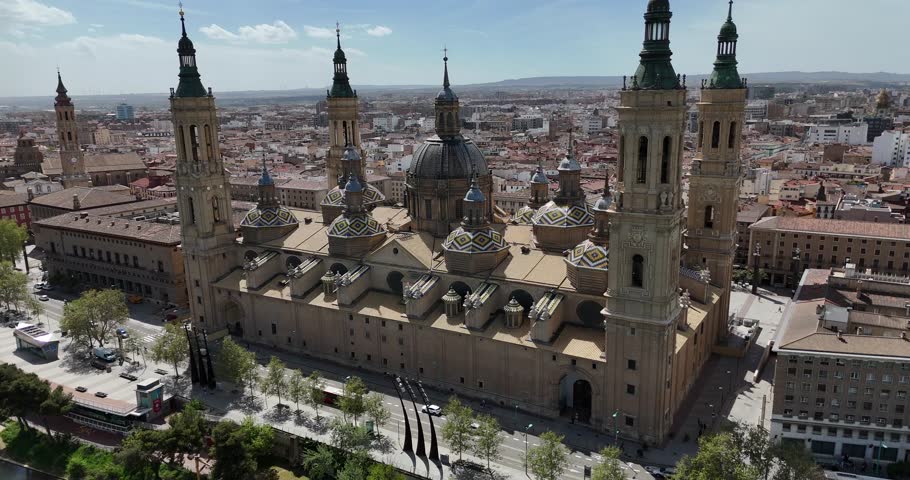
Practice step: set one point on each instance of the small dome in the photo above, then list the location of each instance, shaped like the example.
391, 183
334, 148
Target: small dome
603, 203
540, 177
185, 45
335, 197
441, 159
355, 226
353, 185
268, 217
474, 241
474, 194
447, 95
589, 254
351, 154
339, 56
728, 30
569, 164
554, 215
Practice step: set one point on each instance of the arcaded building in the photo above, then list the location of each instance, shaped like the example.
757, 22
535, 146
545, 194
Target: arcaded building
586, 311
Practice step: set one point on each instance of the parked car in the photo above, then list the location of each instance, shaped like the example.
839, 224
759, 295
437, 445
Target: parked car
81, 389
434, 410
100, 394
122, 333
43, 298
135, 299
105, 354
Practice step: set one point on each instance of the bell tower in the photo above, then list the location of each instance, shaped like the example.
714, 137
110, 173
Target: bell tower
203, 188
343, 113
72, 162
716, 170
642, 302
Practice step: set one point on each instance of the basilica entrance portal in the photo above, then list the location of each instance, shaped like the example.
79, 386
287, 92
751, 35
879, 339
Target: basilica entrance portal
575, 397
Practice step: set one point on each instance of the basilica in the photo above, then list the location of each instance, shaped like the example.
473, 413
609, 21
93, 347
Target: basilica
601, 312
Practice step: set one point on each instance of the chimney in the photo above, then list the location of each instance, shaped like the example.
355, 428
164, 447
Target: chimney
31, 194
76, 204
859, 330
839, 335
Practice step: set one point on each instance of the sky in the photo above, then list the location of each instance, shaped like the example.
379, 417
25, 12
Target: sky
129, 46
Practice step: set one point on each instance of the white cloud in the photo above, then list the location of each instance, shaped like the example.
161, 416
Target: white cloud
19, 17
278, 32
379, 31
96, 25
355, 51
90, 46
318, 32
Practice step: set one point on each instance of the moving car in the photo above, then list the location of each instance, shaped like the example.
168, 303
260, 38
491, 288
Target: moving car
81, 389
432, 410
43, 298
122, 333
100, 394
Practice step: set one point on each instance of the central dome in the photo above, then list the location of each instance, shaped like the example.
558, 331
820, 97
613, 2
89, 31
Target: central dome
439, 158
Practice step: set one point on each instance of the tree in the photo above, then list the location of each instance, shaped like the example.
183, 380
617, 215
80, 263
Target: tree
381, 471
13, 286
375, 409
795, 463
275, 380
21, 393
140, 453
549, 460
355, 467
297, 388
237, 448
609, 467
457, 431
186, 435
717, 457
234, 363
94, 316
349, 437
319, 463
352, 404
173, 347
12, 239
315, 387
57, 404
487, 439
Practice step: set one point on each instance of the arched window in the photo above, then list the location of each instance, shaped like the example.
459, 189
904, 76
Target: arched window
638, 271
622, 156
66, 115
709, 216
209, 150
344, 130
665, 161
642, 173
181, 146
731, 140
192, 213
69, 136
216, 212
194, 142
701, 134
715, 135
442, 120
450, 120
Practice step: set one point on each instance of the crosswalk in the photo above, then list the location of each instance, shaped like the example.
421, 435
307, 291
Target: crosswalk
150, 339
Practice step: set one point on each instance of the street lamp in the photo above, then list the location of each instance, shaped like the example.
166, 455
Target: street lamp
530, 426
615, 430
878, 461
731, 378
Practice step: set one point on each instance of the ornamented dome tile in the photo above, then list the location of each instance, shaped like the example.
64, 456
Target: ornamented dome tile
553, 215
335, 197
589, 254
475, 241
525, 215
268, 217
355, 226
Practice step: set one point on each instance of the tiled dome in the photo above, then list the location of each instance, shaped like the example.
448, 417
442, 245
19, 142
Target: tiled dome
268, 217
554, 215
474, 241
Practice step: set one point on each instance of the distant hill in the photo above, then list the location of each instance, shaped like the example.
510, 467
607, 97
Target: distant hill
306, 95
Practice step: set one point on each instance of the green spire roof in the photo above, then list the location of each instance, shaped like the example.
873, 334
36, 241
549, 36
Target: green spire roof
341, 85
190, 85
655, 71
725, 74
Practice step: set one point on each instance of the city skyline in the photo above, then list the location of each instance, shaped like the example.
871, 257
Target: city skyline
287, 44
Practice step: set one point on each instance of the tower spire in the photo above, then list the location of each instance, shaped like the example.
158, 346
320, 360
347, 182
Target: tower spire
62, 100
190, 84
725, 74
341, 85
655, 70
338, 34
445, 75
